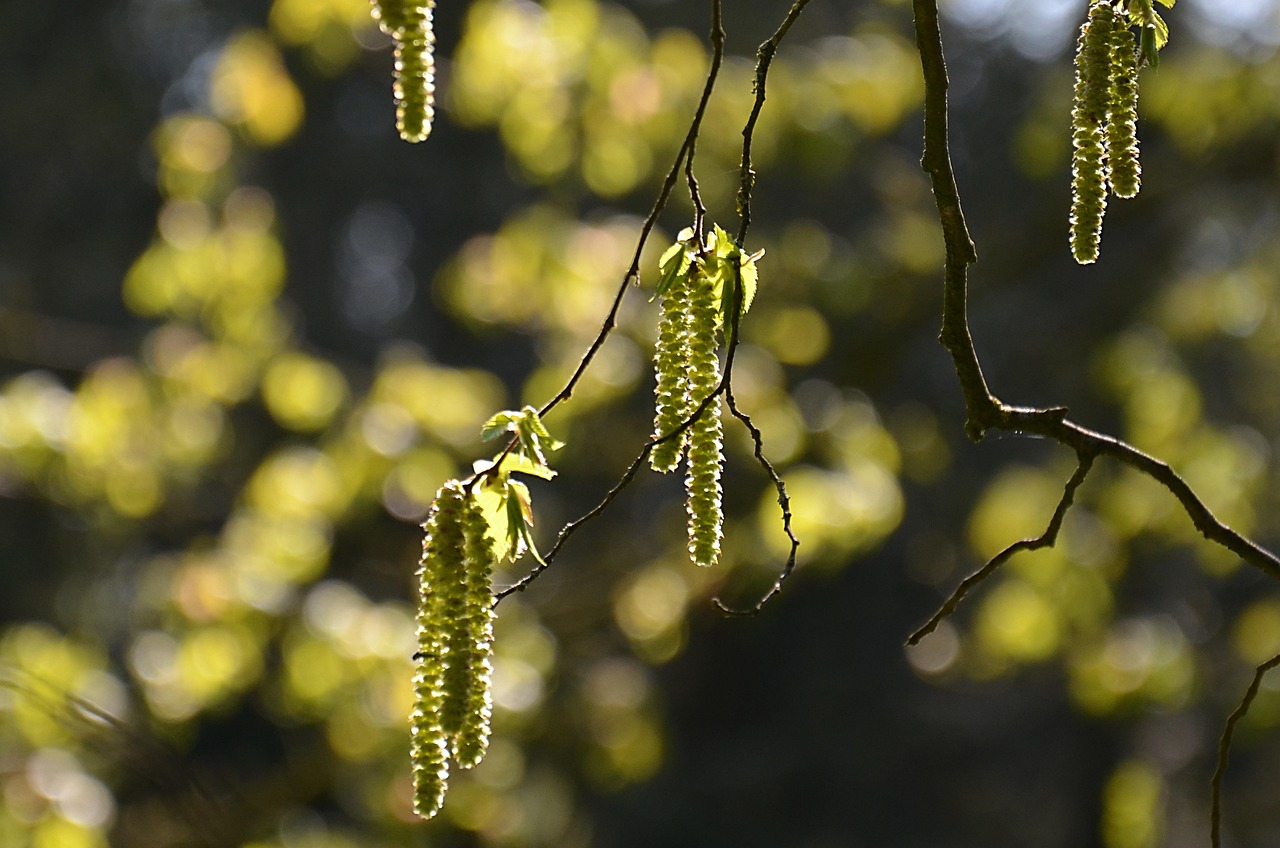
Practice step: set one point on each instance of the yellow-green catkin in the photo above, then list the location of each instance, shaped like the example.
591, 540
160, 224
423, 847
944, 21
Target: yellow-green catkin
706, 448
409, 23
472, 739
1088, 122
1122, 117
440, 586
671, 368
452, 690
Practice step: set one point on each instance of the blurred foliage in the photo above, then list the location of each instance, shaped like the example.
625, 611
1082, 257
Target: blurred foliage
211, 494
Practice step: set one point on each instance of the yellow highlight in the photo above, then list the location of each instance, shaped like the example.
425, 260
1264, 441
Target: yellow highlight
252, 90
301, 392
1141, 660
1132, 807
1015, 622
56, 832
796, 335
1256, 635
650, 611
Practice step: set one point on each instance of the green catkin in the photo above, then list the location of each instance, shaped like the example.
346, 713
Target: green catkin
409, 22
706, 449
472, 738
439, 583
1088, 119
671, 367
1122, 117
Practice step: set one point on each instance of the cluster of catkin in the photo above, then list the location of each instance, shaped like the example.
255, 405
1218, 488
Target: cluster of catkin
1103, 124
688, 372
409, 23
452, 698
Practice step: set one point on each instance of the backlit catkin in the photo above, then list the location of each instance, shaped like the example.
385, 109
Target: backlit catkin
1088, 120
671, 367
452, 698
1122, 117
409, 23
706, 449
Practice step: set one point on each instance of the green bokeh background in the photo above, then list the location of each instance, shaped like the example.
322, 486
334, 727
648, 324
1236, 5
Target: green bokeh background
246, 332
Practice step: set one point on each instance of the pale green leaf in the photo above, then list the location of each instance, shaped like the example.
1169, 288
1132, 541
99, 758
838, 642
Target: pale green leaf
518, 463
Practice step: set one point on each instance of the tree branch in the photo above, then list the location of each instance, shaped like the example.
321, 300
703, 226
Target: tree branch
1047, 539
746, 174
983, 411
1224, 747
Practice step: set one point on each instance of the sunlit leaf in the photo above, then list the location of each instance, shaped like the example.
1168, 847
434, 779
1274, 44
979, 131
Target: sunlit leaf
521, 464
495, 427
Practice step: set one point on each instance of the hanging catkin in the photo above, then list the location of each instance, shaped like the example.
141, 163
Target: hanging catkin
409, 22
472, 738
453, 703
1122, 118
672, 369
706, 450
440, 588
1088, 120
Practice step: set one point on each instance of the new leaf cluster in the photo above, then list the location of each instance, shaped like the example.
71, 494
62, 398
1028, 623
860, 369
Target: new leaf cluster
705, 285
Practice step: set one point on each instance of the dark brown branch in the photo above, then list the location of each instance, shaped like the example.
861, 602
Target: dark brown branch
746, 174
1224, 747
717, 49
784, 503
1047, 539
983, 411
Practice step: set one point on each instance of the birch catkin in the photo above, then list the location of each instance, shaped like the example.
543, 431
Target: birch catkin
439, 586
671, 367
1122, 116
452, 699
410, 23
706, 448
472, 739
1088, 120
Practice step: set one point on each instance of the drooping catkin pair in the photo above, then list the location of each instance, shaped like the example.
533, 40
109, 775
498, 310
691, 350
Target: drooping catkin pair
1104, 119
452, 697
409, 22
688, 371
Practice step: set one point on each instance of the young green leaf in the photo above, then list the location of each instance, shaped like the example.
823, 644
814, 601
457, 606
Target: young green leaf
491, 496
520, 520
518, 463
674, 263
500, 424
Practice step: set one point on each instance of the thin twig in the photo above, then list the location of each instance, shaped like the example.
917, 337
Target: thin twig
633, 271
784, 503
1224, 747
746, 174
1047, 539
983, 411
573, 526
717, 50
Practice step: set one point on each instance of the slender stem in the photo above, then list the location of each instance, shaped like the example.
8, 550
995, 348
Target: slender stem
633, 271
1224, 748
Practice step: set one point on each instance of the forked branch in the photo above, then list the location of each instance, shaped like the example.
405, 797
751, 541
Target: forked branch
1047, 539
1224, 748
983, 411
